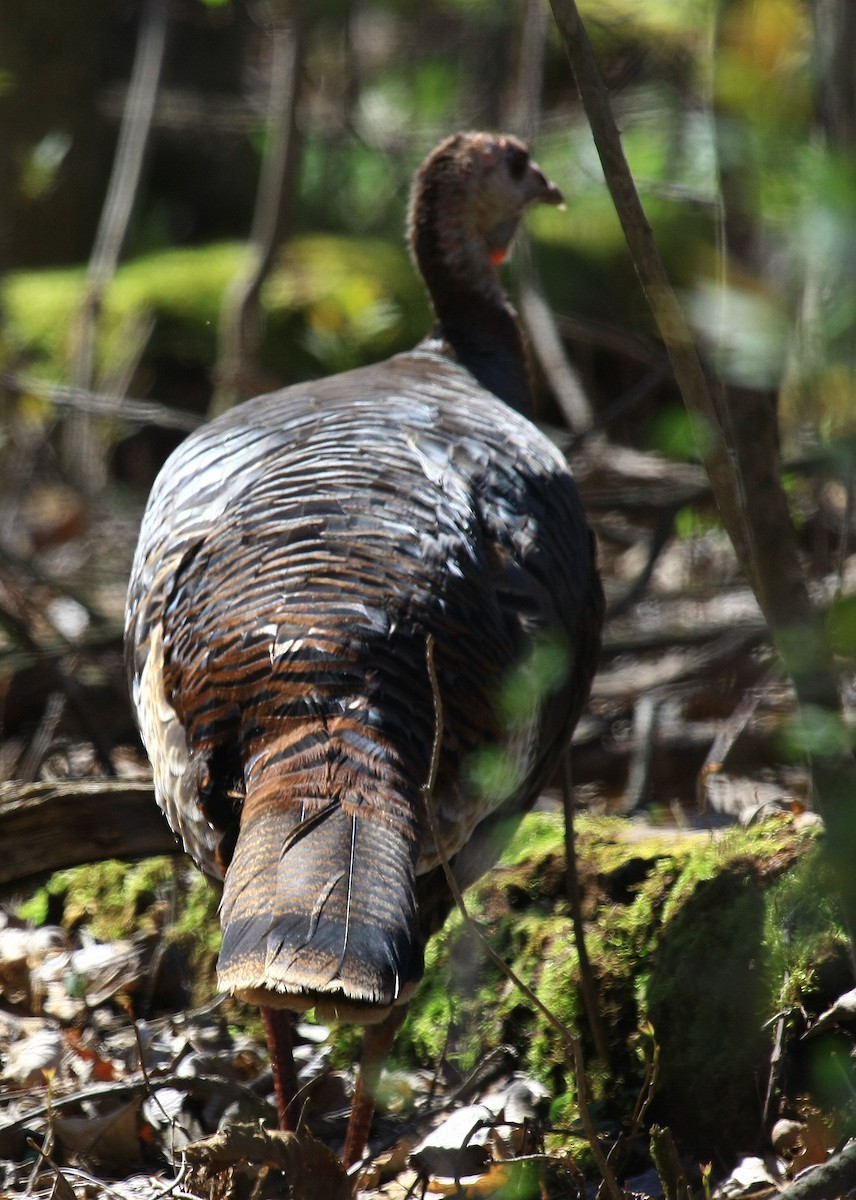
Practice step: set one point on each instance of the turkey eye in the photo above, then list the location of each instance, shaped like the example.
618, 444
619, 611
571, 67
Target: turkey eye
518, 160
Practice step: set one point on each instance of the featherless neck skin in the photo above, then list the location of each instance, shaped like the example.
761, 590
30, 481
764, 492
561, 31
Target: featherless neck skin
466, 203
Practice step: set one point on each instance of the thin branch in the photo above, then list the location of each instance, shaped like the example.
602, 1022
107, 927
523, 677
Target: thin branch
240, 318
572, 883
564, 382
83, 458
472, 928
606, 1173
526, 103
139, 412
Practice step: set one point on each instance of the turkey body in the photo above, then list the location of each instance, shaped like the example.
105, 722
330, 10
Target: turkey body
347, 590
295, 558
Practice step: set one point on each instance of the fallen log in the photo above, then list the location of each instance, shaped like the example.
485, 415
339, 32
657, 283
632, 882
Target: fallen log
47, 826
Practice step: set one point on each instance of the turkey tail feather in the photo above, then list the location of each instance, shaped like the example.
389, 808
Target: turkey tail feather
303, 923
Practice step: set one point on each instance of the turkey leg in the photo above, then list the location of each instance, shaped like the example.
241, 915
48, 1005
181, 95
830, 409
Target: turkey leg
377, 1040
277, 1023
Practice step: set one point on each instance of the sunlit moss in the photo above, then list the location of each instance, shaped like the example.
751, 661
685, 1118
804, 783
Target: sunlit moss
330, 303
673, 432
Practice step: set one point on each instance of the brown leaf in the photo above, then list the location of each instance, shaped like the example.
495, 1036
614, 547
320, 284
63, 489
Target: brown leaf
498, 1175
109, 1140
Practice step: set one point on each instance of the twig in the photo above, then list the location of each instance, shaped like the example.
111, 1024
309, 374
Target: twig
622, 404
240, 319
65, 681
526, 103
572, 882
606, 1173
472, 928
62, 1188
40, 743
642, 750
777, 1055
592, 332
144, 1071
564, 382
660, 538
81, 452
140, 412
728, 733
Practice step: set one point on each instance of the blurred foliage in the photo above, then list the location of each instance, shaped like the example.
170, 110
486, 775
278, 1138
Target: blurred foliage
720, 106
331, 303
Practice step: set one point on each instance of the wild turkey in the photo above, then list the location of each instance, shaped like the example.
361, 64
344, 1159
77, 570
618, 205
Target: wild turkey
297, 558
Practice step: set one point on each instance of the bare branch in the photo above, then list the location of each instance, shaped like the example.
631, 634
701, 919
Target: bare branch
83, 458
240, 316
140, 412
564, 382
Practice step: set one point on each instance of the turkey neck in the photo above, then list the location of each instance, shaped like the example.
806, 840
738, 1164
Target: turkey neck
473, 316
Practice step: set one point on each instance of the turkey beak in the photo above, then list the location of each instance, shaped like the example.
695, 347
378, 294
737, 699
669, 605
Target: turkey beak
539, 189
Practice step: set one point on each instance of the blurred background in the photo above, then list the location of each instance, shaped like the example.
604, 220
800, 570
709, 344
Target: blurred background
205, 199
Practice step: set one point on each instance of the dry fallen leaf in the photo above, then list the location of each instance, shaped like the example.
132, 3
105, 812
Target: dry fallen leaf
488, 1183
458, 1147
844, 1009
111, 1140
32, 1055
22, 951
749, 1178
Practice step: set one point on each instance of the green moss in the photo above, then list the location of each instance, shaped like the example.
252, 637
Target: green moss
180, 289
116, 900
330, 303
110, 898
685, 936
707, 997
803, 933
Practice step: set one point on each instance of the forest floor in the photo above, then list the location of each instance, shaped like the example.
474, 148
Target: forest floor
118, 1060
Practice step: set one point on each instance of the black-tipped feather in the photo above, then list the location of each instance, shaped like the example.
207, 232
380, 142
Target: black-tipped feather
328, 927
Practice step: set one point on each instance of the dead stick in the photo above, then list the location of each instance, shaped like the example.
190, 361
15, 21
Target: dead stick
472, 928
572, 883
746, 485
